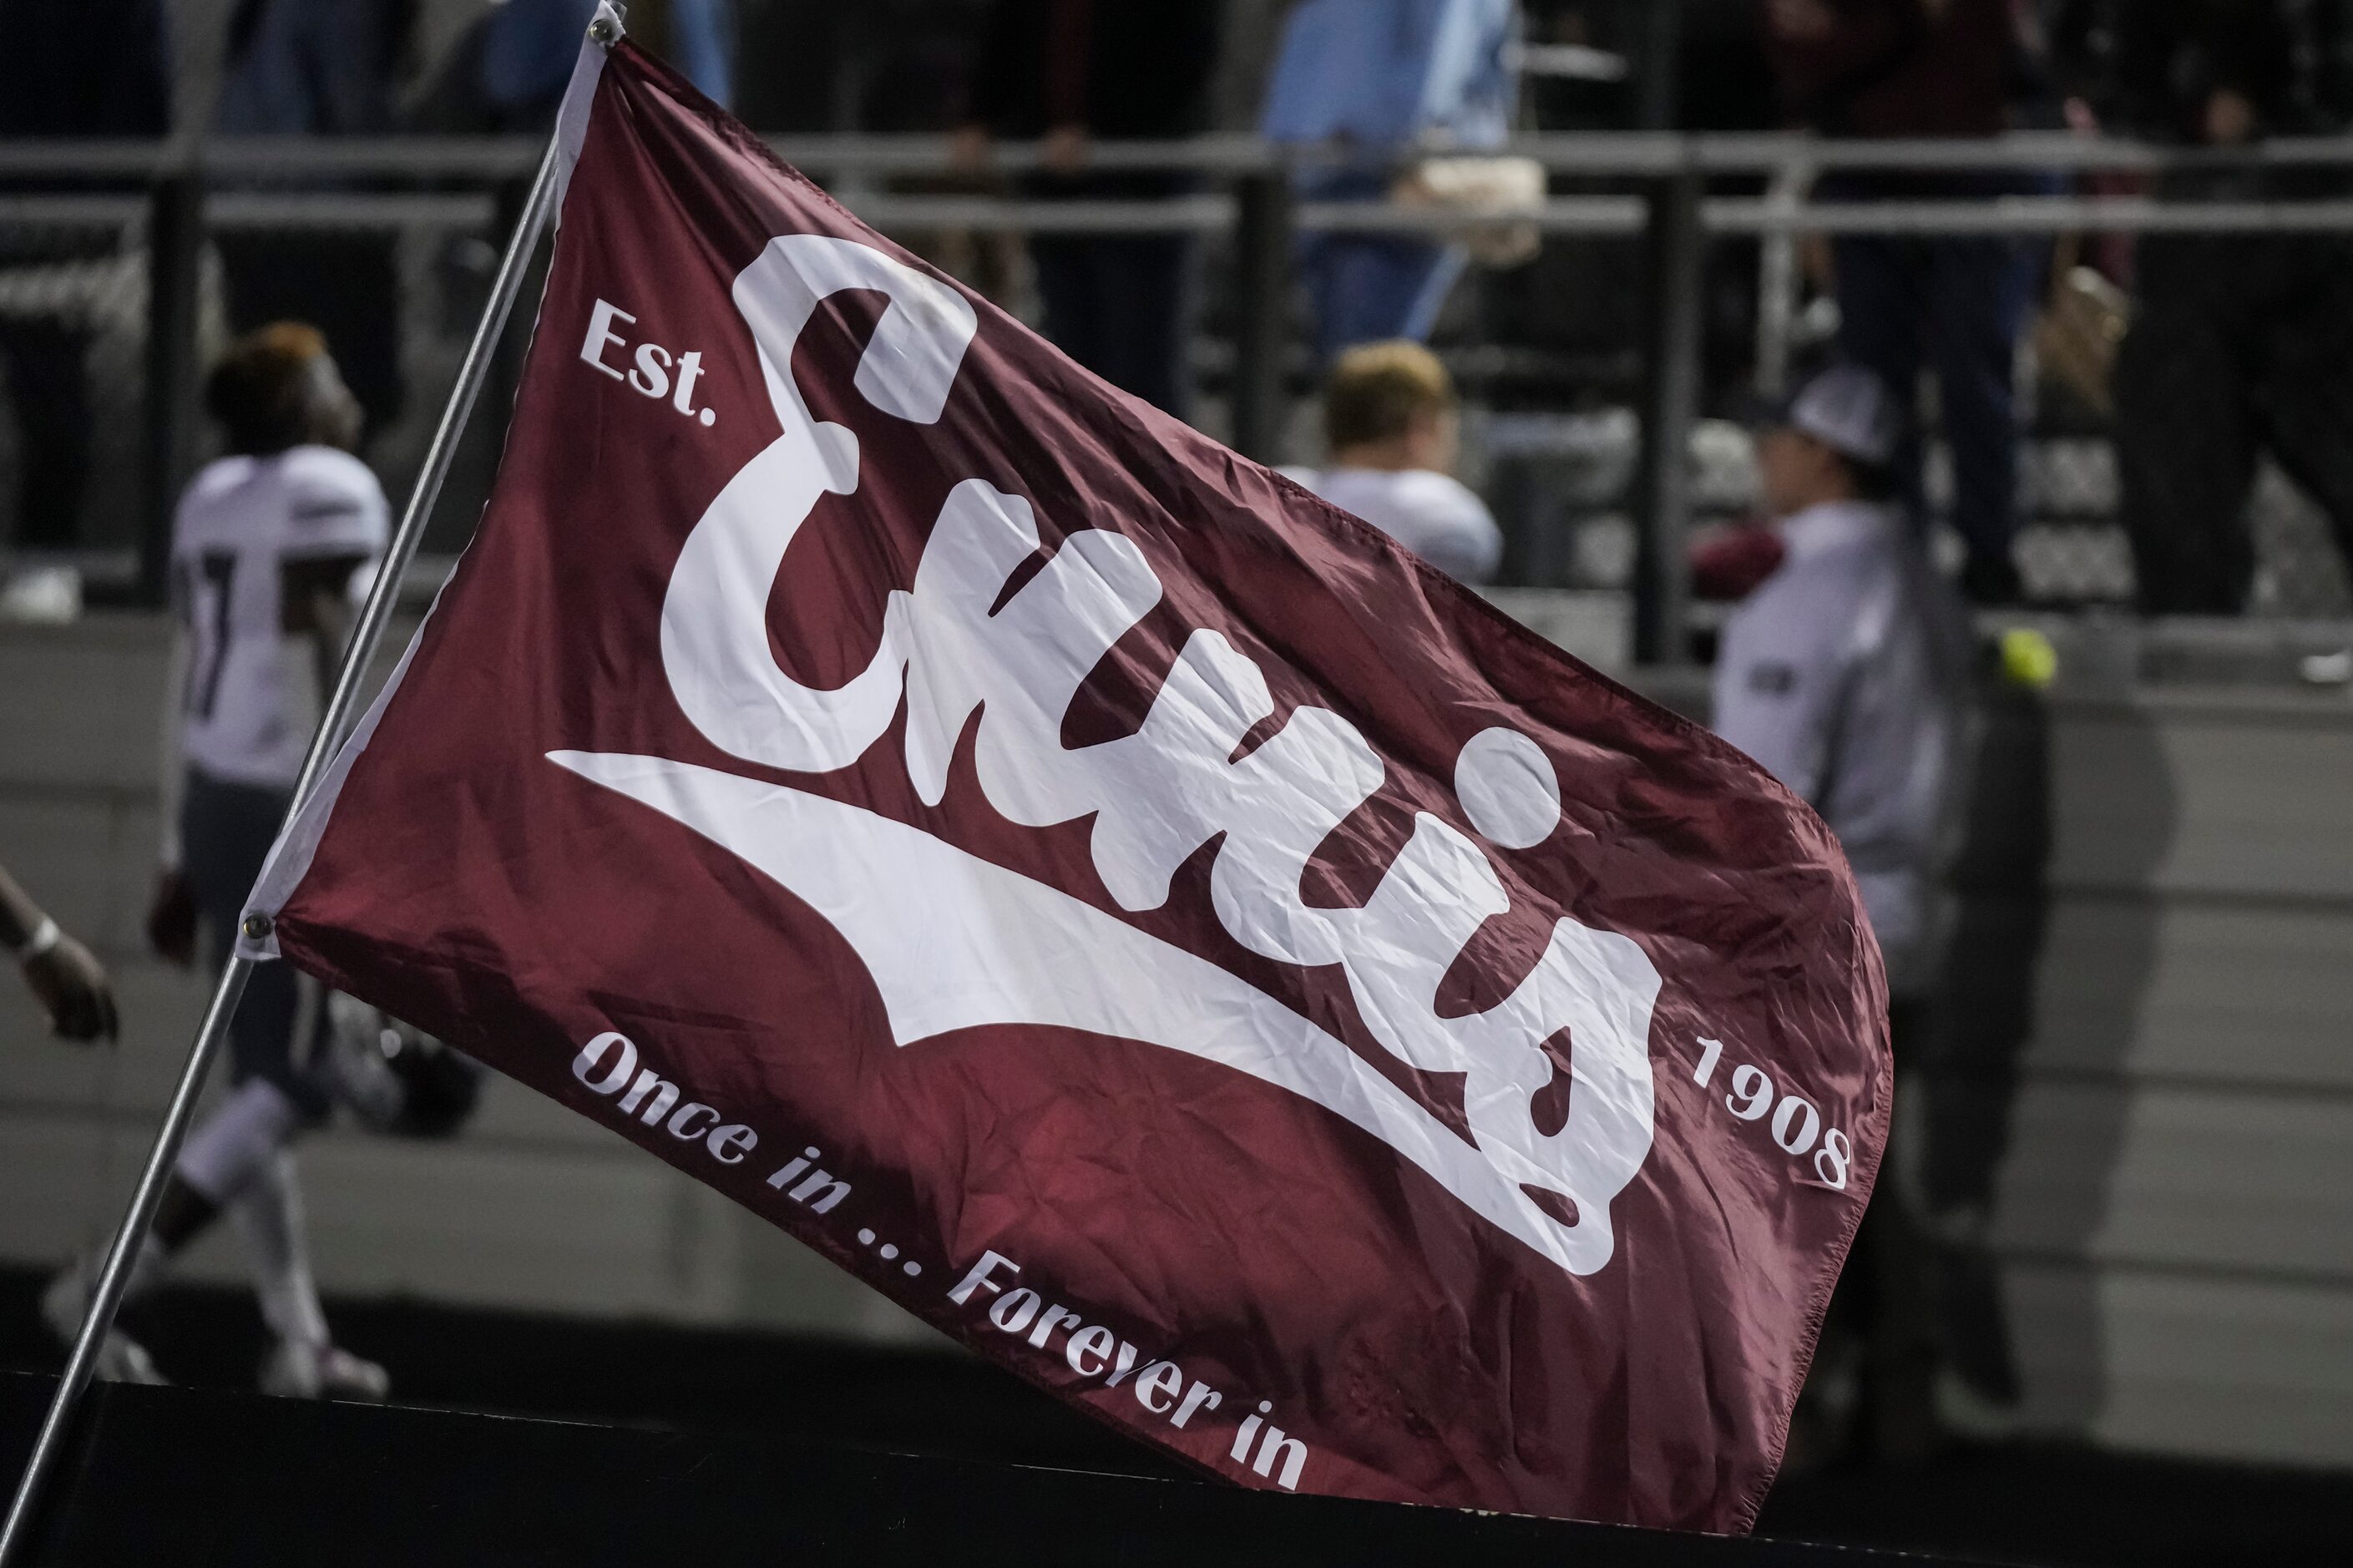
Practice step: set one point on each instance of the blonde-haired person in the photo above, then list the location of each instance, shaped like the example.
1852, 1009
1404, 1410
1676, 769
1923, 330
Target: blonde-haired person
1390, 426
270, 544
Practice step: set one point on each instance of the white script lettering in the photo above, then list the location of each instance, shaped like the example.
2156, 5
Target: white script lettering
659, 373
1155, 798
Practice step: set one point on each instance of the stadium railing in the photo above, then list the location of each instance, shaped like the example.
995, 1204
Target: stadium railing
120, 242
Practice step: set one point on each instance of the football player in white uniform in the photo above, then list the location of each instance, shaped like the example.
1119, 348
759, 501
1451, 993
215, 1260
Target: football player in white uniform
272, 546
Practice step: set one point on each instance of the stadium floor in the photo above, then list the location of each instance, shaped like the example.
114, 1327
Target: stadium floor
2038, 1502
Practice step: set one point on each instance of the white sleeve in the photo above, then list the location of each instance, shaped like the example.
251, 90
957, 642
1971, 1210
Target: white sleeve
1777, 696
335, 510
1453, 530
1483, 548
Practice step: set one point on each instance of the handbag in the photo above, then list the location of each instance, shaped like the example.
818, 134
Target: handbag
2076, 336
1475, 187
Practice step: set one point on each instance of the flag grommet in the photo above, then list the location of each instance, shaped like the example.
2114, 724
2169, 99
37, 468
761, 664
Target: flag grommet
257, 926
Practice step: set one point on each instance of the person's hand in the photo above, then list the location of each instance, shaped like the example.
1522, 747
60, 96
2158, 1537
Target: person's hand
1064, 150
968, 150
1805, 20
172, 919
71, 988
2229, 117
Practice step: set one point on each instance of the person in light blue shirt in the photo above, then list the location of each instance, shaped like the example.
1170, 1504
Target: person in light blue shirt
1391, 80
528, 47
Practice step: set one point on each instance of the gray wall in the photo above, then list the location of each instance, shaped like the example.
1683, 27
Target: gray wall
2172, 1203
2175, 1208
535, 1207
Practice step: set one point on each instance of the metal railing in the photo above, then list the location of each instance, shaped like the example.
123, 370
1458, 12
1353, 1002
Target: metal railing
173, 196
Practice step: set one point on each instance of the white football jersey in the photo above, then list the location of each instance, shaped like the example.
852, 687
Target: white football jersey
251, 699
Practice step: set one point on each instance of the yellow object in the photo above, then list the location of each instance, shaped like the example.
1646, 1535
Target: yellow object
2027, 658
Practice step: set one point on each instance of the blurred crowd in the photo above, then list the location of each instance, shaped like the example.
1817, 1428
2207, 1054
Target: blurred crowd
2236, 343
2206, 353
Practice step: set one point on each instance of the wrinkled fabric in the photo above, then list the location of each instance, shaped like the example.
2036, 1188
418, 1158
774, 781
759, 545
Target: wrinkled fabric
1098, 894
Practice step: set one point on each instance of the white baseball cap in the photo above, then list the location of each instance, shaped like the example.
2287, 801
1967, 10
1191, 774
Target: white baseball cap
1848, 409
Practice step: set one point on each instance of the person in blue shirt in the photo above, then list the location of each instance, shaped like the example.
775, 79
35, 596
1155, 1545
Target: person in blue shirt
507, 71
527, 48
1385, 82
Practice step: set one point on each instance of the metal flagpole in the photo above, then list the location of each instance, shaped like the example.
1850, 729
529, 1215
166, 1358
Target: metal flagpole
374, 616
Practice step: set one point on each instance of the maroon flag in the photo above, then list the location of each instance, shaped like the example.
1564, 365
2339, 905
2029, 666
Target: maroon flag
1132, 914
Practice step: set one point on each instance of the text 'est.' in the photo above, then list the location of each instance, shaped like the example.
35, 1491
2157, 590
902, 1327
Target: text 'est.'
652, 377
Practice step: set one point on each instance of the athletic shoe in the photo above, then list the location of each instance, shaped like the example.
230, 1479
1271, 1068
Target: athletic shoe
296, 1369
121, 1358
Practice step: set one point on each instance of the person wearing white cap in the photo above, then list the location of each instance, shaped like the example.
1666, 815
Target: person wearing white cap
1839, 672
1842, 674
